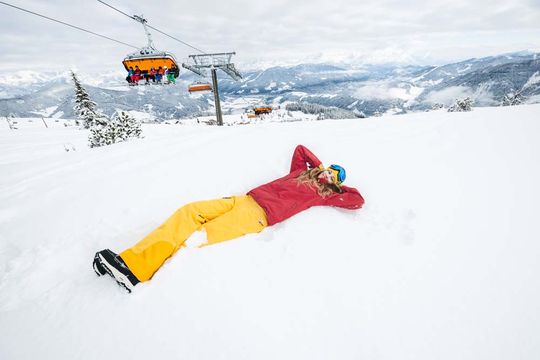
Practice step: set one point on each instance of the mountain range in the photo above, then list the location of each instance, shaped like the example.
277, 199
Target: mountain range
363, 90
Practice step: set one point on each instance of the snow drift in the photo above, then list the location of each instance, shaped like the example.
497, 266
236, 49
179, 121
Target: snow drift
441, 263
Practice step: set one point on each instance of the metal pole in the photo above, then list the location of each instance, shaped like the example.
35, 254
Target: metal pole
143, 21
219, 117
44, 122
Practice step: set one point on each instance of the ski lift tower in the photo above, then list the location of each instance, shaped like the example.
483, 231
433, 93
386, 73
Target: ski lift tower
199, 65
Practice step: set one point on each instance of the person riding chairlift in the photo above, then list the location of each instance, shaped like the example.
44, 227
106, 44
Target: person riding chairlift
307, 184
152, 75
159, 74
129, 77
136, 75
170, 75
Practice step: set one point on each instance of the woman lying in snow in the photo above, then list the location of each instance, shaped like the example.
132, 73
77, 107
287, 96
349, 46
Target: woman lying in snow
307, 184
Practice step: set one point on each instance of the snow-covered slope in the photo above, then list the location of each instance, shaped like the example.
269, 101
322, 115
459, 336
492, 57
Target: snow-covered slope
488, 86
441, 263
55, 98
367, 89
449, 71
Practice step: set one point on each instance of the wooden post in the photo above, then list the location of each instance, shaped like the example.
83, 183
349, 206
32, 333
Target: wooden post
9, 123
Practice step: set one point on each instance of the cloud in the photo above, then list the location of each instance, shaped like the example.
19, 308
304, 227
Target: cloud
273, 31
449, 95
386, 91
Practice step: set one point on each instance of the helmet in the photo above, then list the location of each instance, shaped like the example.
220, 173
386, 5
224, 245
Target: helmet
339, 172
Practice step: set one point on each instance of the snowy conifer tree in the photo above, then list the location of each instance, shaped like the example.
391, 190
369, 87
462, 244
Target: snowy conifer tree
128, 127
86, 108
122, 127
461, 105
437, 106
513, 99
96, 137
104, 135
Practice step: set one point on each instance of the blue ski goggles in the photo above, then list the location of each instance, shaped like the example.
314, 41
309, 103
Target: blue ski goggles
339, 172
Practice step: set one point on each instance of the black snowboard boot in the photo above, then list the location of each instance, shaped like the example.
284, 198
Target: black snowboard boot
113, 265
98, 267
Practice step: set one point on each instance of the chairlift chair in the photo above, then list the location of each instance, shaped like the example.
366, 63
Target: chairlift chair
199, 86
148, 57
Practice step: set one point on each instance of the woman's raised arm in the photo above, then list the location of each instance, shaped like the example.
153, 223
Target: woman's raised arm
302, 157
349, 198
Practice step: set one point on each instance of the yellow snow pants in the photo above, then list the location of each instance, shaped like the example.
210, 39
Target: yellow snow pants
223, 219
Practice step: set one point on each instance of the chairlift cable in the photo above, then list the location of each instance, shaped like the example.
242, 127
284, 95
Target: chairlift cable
64, 23
172, 37
120, 11
151, 27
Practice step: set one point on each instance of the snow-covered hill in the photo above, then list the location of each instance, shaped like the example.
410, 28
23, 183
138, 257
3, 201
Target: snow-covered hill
56, 99
441, 263
487, 86
436, 74
367, 89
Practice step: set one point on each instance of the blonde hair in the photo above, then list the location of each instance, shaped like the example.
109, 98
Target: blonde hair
310, 178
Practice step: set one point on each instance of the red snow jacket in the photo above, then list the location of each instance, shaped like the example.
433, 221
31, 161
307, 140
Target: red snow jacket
285, 197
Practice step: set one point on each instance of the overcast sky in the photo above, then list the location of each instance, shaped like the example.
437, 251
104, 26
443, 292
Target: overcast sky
273, 32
